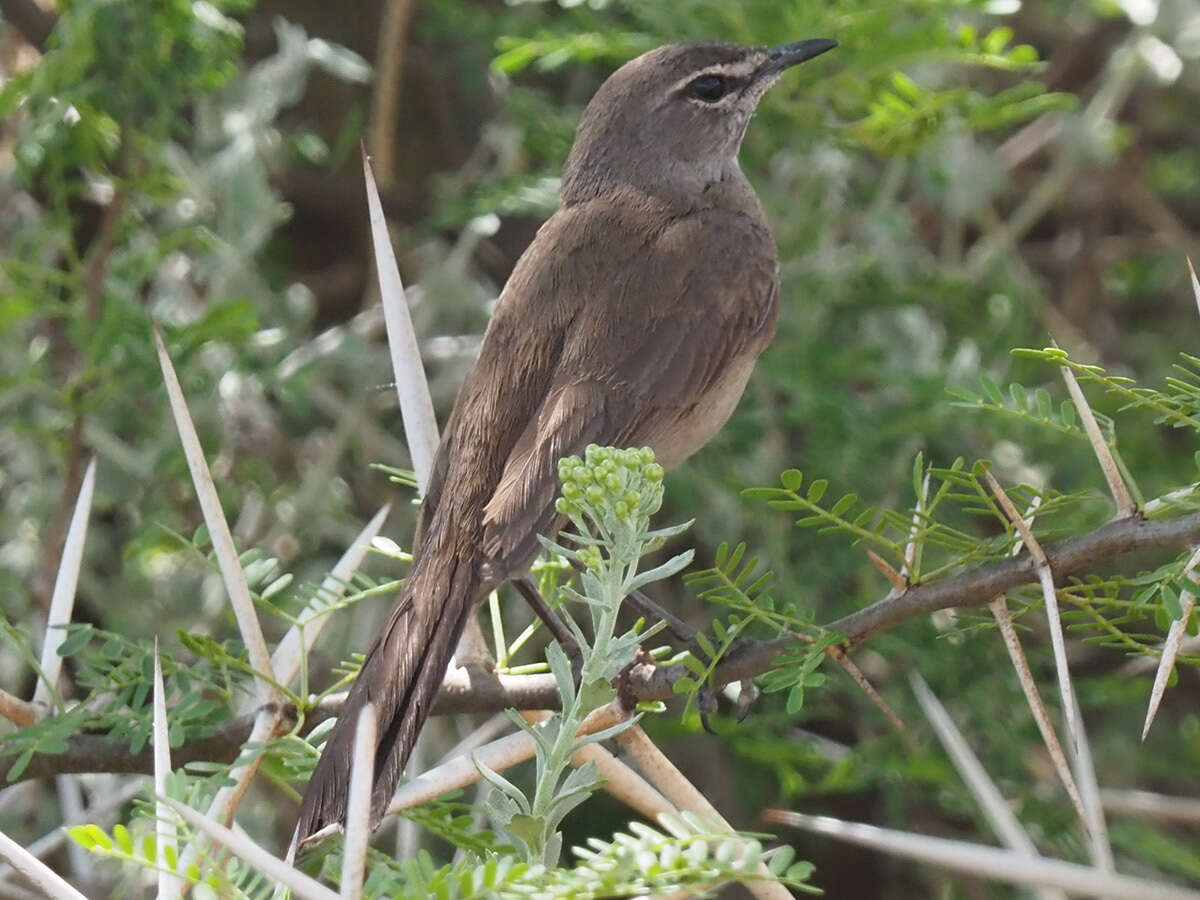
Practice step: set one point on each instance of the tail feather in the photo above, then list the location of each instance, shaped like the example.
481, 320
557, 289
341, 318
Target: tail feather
400, 676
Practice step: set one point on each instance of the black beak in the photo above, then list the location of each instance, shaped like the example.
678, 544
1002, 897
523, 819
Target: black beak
787, 55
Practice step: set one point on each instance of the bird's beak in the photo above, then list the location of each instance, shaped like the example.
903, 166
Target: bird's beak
787, 55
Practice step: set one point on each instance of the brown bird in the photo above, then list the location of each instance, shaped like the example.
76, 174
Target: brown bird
634, 318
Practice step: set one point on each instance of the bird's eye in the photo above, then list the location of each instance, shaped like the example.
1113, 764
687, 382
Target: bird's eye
708, 88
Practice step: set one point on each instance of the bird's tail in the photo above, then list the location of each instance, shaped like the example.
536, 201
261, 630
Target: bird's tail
400, 676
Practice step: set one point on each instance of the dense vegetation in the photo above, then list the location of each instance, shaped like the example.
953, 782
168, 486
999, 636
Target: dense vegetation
957, 180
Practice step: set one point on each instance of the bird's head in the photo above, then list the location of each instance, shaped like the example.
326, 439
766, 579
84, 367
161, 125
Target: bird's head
675, 114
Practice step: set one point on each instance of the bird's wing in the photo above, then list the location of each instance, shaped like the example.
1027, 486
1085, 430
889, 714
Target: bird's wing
667, 321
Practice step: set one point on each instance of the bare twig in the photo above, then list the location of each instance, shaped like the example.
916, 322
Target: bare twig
499, 755
42, 876
17, 711
1152, 806
1050, 597
662, 772
1037, 708
898, 581
838, 655
1097, 828
301, 885
987, 862
389, 62
1006, 825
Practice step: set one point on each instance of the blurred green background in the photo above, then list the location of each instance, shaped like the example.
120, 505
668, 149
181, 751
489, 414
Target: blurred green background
955, 180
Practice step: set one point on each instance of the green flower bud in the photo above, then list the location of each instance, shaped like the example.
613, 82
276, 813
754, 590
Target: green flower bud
613, 483
581, 474
595, 494
571, 490
653, 472
621, 508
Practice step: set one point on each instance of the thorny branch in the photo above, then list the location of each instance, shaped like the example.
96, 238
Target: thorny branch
476, 690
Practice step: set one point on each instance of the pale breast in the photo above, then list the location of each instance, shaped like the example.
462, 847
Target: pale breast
691, 431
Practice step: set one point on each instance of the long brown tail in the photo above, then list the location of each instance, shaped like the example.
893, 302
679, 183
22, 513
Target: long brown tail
400, 676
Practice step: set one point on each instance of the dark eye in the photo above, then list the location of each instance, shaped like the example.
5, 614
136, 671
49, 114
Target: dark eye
709, 88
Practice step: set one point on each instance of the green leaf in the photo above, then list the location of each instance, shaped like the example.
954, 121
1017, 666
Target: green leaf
684, 685
795, 699
76, 640
993, 392
123, 838
844, 504
791, 479
997, 39
1066, 412
816, 490
1017, 392
1171, 602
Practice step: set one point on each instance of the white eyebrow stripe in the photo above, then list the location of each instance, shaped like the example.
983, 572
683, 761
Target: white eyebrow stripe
741, 68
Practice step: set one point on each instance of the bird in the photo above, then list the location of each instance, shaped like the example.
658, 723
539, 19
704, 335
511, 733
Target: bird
634, 318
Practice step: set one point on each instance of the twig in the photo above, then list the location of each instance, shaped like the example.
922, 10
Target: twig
620, 780
17, 711
1050, 597
100, 808
986, 862
499, 755
897, 580
838, 655
479, 691
1037, 708
663, 773
1033, 698
1006, 825
1152, 806
42, 876
389, 62
1085, 774
227, 798
301, 885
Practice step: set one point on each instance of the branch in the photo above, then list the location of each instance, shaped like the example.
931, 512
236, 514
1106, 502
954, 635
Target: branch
476, 690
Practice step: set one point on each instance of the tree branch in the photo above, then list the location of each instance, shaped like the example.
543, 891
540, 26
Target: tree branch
476, 690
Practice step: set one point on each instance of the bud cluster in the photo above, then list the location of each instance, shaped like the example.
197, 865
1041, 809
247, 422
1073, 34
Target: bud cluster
616, 489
